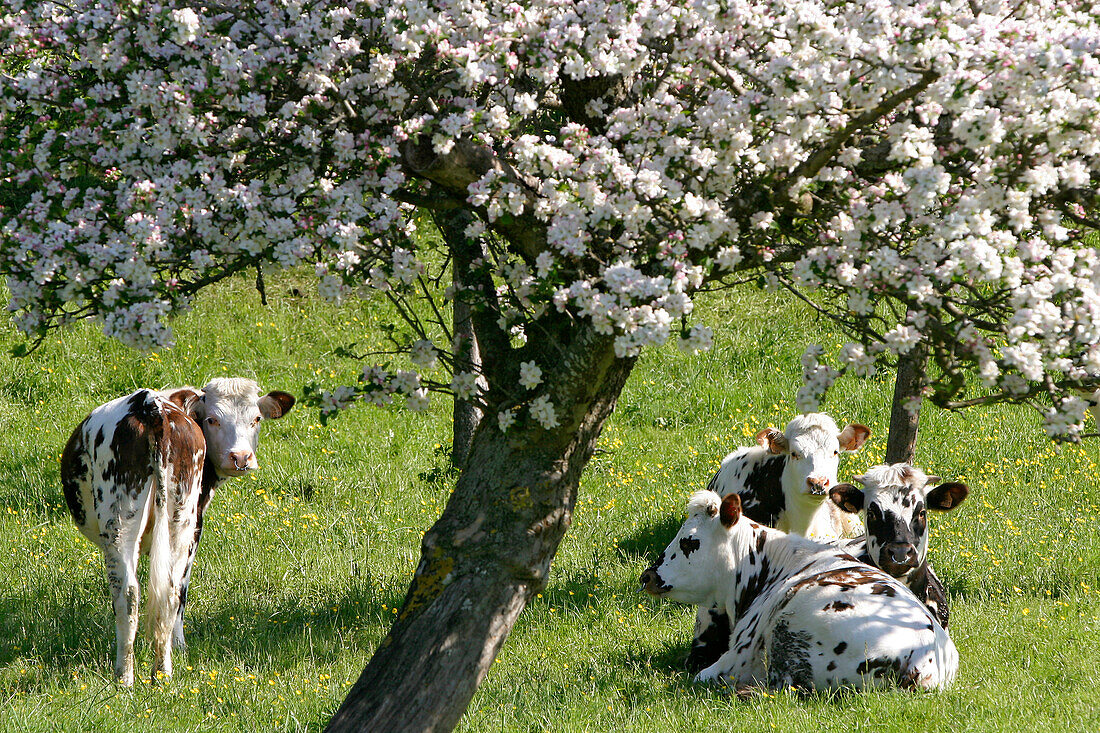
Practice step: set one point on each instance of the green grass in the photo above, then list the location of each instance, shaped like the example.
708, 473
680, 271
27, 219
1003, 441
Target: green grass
303, 563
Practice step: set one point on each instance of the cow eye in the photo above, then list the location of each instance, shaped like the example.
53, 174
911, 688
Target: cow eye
212, 422
922, 514
256, 422
795, 455
836, 453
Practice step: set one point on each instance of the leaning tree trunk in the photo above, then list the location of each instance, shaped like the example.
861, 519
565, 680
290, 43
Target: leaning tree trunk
908, 386
489, 553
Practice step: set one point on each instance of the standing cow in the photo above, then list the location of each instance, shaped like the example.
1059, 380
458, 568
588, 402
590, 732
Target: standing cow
896, 499
805, 614
783, 482
138, 473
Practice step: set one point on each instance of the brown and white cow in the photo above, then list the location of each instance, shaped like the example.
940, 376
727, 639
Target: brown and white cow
896, 499
783, 482
138, 473
805, 614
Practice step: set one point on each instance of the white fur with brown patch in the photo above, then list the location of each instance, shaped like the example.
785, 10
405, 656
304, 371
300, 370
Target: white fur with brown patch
230, 411
135, 481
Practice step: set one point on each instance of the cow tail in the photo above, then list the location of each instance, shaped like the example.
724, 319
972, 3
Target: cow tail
161, 612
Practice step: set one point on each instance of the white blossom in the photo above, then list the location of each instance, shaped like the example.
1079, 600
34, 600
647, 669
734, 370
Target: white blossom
530, 376
543, 412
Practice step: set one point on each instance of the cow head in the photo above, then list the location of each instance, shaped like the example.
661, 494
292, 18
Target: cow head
230, 411
896, 499
691, 567
812, 444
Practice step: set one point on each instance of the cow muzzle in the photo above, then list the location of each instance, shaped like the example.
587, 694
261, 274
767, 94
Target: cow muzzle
652, 583
898, 558
817, 485
238, 463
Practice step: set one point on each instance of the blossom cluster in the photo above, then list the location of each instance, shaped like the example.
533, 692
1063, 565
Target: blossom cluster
925, 171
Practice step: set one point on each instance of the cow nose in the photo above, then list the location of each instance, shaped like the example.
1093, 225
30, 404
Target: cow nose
241, 459
817, 485
902, 553
650, 581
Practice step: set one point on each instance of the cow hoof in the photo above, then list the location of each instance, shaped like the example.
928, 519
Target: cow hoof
746, 692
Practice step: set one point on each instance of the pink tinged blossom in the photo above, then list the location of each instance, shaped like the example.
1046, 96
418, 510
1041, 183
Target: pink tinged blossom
817, 378
465, 386
417, 400
185, 25
423, 354
699, 338
901, 339
856, 360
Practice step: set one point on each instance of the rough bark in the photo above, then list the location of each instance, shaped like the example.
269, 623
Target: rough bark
489, 553
452, 225
902, 442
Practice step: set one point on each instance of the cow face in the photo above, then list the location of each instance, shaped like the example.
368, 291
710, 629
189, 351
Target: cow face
230, 411
699, 555
812, 444
896, 499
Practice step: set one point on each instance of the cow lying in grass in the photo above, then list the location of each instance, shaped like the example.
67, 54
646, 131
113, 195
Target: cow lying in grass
784, 479
896, 499
138, 473
805, 614
783, 482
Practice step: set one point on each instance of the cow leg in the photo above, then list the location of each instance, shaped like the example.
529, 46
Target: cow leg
711, 641
736, 666
178, 642
121, 566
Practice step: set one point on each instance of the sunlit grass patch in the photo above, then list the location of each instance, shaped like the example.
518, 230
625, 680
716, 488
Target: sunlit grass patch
304, 564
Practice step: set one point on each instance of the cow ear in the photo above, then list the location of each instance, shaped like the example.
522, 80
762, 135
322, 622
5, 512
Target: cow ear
773, 440
853, 436
185, 398
730, 511
848, 497
275, 404
946, 496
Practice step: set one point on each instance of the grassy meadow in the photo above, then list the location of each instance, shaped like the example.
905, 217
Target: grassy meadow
304, 563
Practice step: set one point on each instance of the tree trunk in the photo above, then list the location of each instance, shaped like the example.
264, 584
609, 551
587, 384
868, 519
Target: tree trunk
452, 225
908, 385
490, 551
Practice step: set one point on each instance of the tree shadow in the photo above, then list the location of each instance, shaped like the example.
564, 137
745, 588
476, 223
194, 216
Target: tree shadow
667, 658
649, 541
54, 632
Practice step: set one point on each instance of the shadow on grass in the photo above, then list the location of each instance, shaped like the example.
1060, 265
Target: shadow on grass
667, 658
54, 631
648, 542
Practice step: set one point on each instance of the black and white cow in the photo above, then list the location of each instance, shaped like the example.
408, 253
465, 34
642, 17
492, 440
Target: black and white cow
784, 479
805, 614
138, 473
783, 482
896, 499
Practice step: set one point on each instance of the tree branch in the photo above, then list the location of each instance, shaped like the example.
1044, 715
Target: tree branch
465, 163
